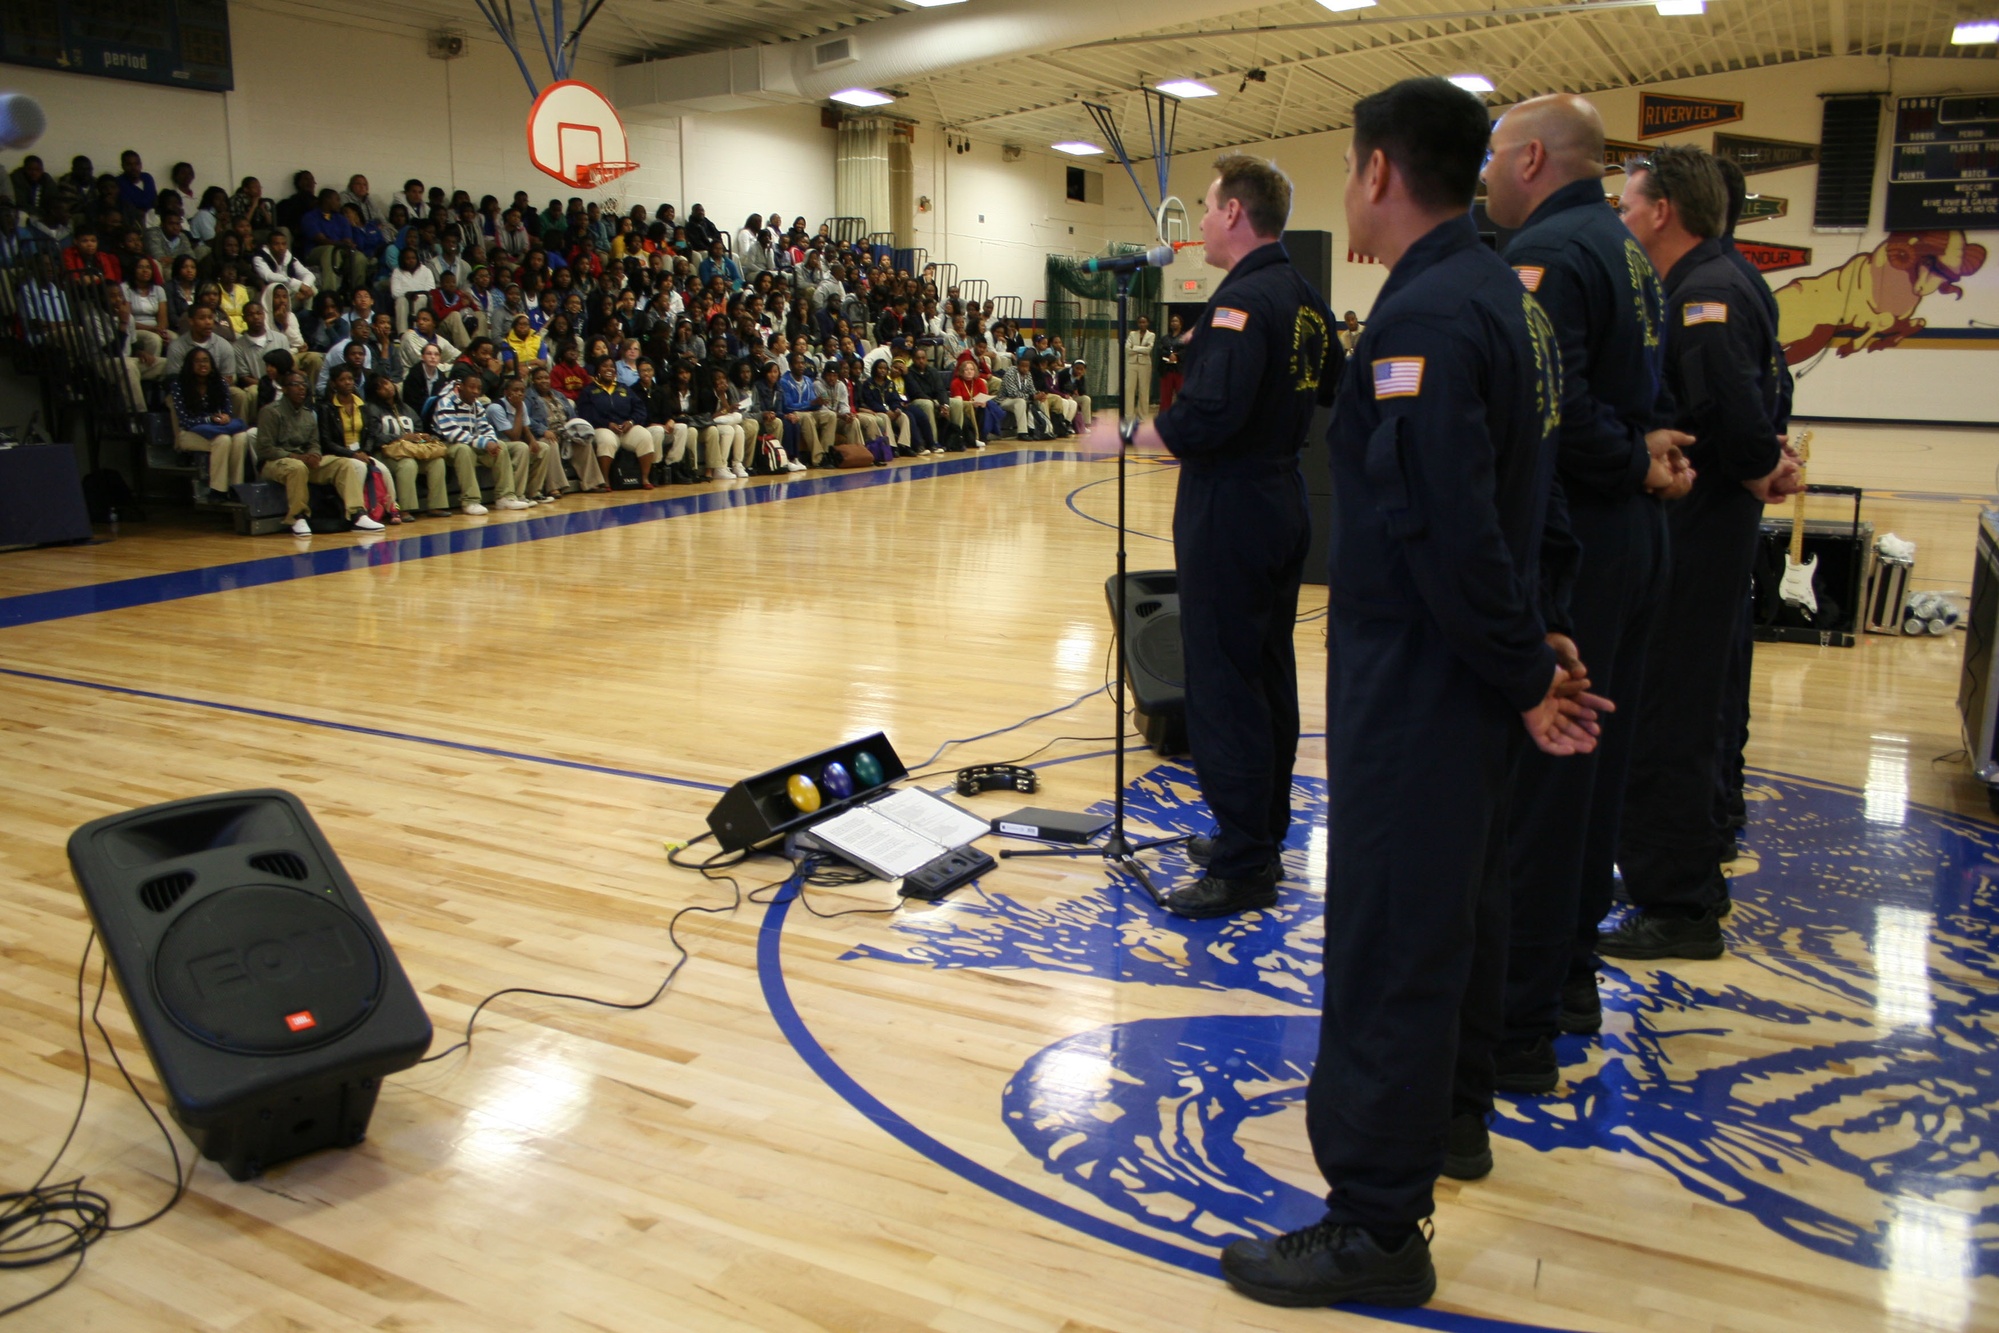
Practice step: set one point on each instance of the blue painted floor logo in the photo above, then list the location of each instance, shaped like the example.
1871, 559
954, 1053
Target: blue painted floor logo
1872, 1020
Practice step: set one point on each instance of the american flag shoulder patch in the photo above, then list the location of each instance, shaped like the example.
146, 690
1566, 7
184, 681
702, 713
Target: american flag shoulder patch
1228, 317
1398, 377
1530, 276
1705, 312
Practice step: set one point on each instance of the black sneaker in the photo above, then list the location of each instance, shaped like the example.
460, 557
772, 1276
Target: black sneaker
1582, 1007
1468, 1148
1213, 895
1663, 935
1331, 1264
1529, 1069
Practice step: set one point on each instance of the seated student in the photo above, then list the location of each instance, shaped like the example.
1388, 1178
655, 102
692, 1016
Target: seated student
330, 248
670, 412
1019, 396
410, 283
524, 343
513, 421
567, 374
617, 418
573, 433
343, 431
201, 333
427, 380
722, 439
1073, 382
837, 392
928, 390
391, 436
229, 284
274, 263
87, 265
921, 429
1060, 408
628, 354
460, 420
968, 400
806, 410
423, 333
270, 385
288, 448
208, 420
880, 408
767, 408
450, 308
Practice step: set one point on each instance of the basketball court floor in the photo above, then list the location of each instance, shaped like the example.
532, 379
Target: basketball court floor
1039, 1105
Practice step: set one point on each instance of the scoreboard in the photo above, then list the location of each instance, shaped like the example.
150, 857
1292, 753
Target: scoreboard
1945, 172
180, 43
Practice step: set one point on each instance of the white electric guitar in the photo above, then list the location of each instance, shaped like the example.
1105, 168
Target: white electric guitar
1795, 588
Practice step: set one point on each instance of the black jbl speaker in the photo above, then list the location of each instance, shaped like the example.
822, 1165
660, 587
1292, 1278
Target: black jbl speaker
269, 1000
1154, 662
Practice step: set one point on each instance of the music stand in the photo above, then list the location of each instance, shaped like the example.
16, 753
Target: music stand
1118, 850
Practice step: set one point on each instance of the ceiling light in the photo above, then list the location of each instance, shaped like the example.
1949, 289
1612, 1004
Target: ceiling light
932, 4
863, 97
1472, 83
1676, 9
1975, 32
1186, 88
1342, 6
1076, 147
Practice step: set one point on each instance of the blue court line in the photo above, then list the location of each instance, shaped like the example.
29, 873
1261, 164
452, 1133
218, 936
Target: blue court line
151, 589
777, 995
354, 729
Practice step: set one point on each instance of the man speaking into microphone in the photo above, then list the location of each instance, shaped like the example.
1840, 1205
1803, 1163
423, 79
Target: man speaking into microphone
1257, 361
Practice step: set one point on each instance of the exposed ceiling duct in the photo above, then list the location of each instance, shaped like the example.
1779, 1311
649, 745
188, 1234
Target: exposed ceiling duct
888, 51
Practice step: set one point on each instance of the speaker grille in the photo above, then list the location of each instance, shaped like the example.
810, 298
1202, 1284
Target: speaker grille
290, 865
163, 891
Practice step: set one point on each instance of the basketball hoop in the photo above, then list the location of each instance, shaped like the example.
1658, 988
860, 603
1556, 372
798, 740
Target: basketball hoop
590, 176
574, 135
1171, 221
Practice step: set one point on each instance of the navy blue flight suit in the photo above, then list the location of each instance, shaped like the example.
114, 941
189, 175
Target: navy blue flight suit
1261, 357
1730, 813
1442, 451
1724, 372
1593, 279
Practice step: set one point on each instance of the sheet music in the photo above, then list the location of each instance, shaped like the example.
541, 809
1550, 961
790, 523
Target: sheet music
876, 842
938, 820
899, 833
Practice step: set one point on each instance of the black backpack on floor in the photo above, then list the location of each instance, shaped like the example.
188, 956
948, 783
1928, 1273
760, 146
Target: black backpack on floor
623, 474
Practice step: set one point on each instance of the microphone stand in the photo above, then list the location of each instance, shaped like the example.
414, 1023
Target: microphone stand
1119, 851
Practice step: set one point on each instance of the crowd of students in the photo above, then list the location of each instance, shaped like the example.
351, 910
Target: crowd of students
370, 342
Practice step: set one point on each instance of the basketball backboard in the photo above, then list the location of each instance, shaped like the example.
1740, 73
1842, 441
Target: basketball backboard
574, 135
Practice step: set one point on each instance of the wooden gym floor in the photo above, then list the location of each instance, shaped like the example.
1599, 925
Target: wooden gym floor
1038, 1106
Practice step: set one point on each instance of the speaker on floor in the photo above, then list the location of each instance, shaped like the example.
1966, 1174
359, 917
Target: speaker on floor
1154, 664
761, 807
266, 995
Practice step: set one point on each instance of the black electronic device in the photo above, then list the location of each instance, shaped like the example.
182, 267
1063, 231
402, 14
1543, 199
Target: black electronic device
265, 992
1050, 825
758, 808
982, 778
1153, 660
947, 872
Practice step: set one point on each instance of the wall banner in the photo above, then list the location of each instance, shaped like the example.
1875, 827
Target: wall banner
1660, 114
1771, 258
1754, 155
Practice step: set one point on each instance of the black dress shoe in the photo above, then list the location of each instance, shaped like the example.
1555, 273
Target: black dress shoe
1529, 1069
1467, 1148
1663, 935
1200, 850
1214, 895
1330, 1264
1582, 1007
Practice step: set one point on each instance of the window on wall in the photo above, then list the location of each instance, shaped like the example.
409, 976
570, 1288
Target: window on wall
1849, 135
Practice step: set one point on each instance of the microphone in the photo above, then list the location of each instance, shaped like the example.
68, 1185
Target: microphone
1157, 257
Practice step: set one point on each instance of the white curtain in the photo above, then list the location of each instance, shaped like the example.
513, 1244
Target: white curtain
860, 173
